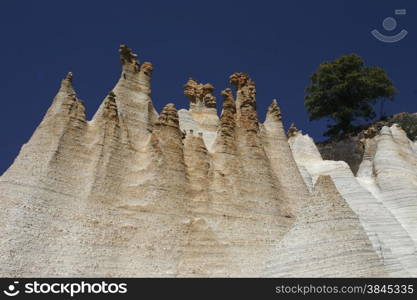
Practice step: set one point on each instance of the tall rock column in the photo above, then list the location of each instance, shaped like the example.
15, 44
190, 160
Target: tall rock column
42, 192
244, 216
133, 93
282, 162
394, 168
202, 115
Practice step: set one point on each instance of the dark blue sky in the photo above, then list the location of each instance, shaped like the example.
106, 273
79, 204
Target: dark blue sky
279, 43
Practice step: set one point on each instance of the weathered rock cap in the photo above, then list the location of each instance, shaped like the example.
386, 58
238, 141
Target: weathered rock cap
168, 116
292, 131
127, 56
200, 95
240, 79
274, 112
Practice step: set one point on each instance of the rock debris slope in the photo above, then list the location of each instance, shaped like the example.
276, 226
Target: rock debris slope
179, 194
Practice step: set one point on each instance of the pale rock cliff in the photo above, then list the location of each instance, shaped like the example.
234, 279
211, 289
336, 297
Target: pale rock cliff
389, 170
326, 230
188, 194
388, 234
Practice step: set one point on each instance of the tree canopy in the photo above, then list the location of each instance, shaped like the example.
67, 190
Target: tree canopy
346, 90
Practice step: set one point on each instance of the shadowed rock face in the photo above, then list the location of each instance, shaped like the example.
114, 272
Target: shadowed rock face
183, 193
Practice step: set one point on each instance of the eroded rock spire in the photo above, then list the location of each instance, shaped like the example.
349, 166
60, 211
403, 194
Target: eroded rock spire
137, 74
200, 95
110, 107
168, 116
66, 101
292, 131
69, 76
130, 178
227, 119
225, 141
245, 101
240, 80
274, 112
66, 85
134, 104
128, 58
147, 68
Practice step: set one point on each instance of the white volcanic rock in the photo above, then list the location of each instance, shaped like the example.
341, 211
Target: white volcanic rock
326, 240
131, 193
389, 170
189, 123
389, 239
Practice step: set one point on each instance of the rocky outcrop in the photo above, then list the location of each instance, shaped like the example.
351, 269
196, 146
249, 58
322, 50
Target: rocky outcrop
186, 193
200, 95
350, 148
282, 161
321, 220
202, 115
226, 140
390, 171
133, 91
246, 115
97, 187
387, 233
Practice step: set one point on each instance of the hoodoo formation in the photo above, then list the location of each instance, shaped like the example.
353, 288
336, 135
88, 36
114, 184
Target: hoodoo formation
190, 194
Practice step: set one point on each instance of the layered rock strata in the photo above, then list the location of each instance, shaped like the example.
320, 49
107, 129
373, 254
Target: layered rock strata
180, 194
369, 196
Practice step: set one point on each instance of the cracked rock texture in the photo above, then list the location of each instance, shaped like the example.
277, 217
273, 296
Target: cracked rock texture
190, 194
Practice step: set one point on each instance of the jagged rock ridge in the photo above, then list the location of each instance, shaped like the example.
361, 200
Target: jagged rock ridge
182, 193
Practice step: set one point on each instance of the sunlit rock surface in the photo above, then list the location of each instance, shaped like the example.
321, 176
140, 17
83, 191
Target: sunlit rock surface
388, 233
190, 193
